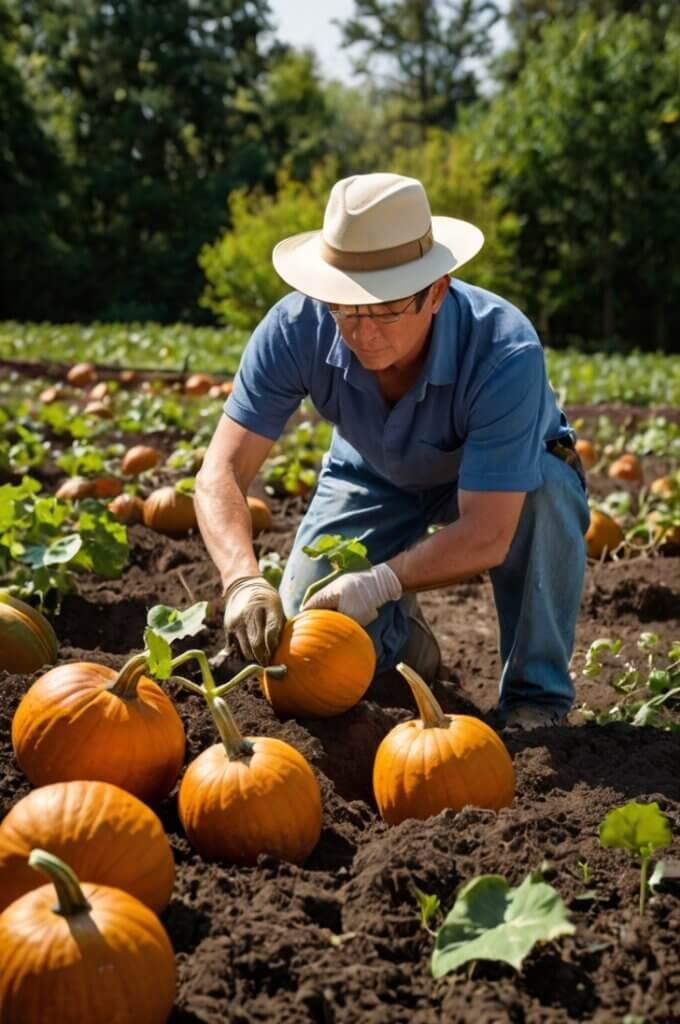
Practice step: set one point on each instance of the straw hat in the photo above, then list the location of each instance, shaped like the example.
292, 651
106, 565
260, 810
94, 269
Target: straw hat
379, 242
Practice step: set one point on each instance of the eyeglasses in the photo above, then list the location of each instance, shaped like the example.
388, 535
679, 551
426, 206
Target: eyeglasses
341, 316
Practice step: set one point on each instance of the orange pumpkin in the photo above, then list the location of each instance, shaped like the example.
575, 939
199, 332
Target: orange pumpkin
95, 956
247, 796
603, 535
586, 452
198, 384
100, 410
260, 514
86, 721
75, 489
665, 487
330, 660
49, 395
626, 467
104, 833
170, 512
127, 509
27, 640
99, 392
82, 375
437, 761
106, 487
139, 458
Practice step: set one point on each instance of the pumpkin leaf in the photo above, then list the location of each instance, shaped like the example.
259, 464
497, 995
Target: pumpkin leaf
429, 905
159, 655
62, 550
343, 553
641, 828
491, 921
172, 624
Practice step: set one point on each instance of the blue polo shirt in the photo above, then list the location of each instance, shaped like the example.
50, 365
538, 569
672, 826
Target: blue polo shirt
478, 416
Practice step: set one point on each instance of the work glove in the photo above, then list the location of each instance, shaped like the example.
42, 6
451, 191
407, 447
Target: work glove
359, 594
253, 617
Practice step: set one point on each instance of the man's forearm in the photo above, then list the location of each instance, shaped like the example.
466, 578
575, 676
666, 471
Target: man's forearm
225, 524
454, 553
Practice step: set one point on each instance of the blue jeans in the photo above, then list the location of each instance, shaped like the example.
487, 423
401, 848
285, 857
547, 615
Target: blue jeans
537, 589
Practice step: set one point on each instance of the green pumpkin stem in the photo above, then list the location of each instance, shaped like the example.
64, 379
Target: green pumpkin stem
318, 585
234, 742
125, 683
273, 671
431, 713
70, 897
200, 657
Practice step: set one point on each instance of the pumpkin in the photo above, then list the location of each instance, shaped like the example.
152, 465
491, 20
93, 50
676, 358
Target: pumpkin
100, 410
139, 458
626, 467
247, 796
75, 489
27, 640
330, 661
663, 529
99, 392
128, 377
260, 514
49, 395
198, 384
82, 375
96, 956
586, 452
105, 834
603, 535
86, 721
664, 487
106, 487
170, 512
127, 509
437, 761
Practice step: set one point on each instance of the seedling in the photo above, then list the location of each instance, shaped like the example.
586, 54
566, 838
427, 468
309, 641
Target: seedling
429, 907
640, 828
649, 686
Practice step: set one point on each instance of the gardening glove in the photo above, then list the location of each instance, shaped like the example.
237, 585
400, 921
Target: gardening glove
359, 594
253, 617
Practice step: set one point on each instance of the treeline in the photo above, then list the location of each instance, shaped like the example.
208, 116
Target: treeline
153, 151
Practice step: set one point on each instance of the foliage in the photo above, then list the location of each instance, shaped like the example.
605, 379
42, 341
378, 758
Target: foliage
492, 921
587, 152
640, 828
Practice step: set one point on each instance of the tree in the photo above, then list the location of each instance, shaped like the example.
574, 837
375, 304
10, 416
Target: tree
587, 153
423, 54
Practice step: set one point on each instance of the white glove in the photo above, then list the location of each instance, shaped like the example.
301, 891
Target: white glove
359, 594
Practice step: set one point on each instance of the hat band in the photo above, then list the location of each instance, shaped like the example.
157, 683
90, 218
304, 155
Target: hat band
377, 259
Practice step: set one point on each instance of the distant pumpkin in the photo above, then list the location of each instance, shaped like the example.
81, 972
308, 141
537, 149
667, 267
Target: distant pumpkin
27, 640
626, 467
170, 512
198, 384
139, 459
82, 375
603, 535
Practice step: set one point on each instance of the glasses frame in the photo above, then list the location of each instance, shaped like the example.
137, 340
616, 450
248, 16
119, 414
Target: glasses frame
341, 316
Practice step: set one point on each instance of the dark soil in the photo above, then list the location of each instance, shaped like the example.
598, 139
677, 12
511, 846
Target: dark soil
339, 940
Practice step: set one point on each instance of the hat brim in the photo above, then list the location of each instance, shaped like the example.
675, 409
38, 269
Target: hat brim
299, 262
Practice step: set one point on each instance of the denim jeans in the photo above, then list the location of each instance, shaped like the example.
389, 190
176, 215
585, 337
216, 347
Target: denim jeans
537, 589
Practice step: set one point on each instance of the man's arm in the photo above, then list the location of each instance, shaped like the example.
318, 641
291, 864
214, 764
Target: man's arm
231, 461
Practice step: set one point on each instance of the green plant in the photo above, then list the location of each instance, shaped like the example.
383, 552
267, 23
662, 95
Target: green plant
640, 828
649, 689
429, 906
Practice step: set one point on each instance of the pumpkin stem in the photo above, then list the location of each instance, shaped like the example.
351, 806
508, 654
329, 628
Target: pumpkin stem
430, 712
186, 684
206, 674
125, 683
70, 897
275, 671
314, 588
234, 742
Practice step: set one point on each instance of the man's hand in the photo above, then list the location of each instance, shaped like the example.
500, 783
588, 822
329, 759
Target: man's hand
253, 617
359, 594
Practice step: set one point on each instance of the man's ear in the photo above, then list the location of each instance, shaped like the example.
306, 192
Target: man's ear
439, 290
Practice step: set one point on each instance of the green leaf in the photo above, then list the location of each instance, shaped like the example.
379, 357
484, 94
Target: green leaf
159, 657
63, 550
491, 921
642, 828
173, 624
429, 905
346, 554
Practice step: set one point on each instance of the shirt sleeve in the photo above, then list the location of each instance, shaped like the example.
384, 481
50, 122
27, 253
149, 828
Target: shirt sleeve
269, 385
505, 437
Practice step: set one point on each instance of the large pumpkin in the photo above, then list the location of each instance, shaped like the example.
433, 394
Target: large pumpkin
170, 512
94, 956
27, 641
437, 761
105, 834
86, 721
330, 660
247, 796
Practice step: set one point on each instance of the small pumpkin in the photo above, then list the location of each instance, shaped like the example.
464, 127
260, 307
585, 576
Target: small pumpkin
106, 834
106, 487
586, 452
626, 467
170, 512
97, 955
99, 392
198, 384
100, 410
27, 640
139, 459
49, 395
82, 375
437, 761
247, 796
665, 487
127, 509
87, 721
330, 661
603, 535
75, 489
260, 514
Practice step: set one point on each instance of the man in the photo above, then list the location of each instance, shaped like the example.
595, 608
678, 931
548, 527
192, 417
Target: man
442, 413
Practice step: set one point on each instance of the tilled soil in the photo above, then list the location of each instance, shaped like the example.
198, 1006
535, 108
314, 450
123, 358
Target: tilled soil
339, 940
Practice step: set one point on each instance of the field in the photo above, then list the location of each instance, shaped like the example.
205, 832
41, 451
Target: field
340, 939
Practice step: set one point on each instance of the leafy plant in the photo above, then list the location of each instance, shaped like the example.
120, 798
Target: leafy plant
344, 554
641, 828
429, 906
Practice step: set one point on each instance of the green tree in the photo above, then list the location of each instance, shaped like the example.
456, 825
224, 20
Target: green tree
587, 153
422, 54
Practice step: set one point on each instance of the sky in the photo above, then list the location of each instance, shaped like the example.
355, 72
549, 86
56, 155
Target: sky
309, 23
